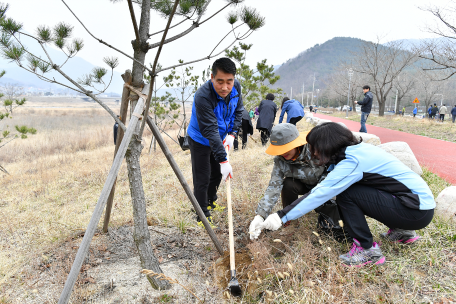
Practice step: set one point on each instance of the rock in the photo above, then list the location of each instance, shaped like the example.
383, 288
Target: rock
314, 120
368, 138
342, 124
403, 152
446, 203
321, 121
308, 114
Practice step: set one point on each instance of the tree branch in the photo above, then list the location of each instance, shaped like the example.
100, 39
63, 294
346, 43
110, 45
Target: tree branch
102, 42
153, 74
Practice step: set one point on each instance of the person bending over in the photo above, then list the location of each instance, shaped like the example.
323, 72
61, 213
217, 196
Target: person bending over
216, 115
294, 110
294, 173
267, 111
367, 181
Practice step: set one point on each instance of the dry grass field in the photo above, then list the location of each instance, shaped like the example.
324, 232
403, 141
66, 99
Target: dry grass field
57, 176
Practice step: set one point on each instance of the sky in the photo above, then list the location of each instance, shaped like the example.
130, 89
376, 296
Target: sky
291, 27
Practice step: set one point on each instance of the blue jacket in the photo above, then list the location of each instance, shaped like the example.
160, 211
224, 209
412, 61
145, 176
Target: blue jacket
213, 117
293, 109
366, 104
429, 110
370, 166
453, 111
415, 110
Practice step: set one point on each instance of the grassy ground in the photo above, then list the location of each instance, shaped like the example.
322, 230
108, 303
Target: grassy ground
51, 193
425, 127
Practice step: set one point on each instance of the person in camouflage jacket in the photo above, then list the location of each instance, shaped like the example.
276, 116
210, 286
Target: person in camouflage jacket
294, 172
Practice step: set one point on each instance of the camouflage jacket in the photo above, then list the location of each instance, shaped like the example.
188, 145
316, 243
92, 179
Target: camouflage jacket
303, 168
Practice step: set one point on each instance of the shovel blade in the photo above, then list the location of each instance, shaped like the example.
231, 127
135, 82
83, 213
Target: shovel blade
234, 287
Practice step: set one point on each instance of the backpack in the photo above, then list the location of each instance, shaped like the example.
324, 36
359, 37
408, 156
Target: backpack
329, 220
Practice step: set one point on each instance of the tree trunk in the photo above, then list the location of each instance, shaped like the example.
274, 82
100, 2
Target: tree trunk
381, 108
141, 233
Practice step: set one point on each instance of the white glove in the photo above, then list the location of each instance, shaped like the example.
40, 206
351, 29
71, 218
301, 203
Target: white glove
228, 141
226, 170
273, 222
254, 229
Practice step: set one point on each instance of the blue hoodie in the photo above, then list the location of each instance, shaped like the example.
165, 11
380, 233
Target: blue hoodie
415, 110
370, 166
293, 109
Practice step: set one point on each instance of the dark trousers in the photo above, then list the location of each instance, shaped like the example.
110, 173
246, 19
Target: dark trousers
454, 117
244, 132
358, 201
206, 174
264, 136
294, 120
442, 117
292, 188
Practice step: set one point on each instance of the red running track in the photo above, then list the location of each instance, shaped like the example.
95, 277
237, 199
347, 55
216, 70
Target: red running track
437, 155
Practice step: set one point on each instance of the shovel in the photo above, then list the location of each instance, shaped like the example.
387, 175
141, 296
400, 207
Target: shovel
233, 285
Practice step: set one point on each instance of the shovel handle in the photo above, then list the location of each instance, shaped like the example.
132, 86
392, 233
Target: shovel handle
230, 218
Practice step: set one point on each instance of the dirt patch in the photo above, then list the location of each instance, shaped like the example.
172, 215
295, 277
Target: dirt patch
244, 273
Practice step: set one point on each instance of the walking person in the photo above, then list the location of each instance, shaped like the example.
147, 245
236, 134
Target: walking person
251, 114
415, 110
453, 113
295, 172
434, 111
443, 110
430, 111
403, 111
367, 181
267, 113
294, 110
366, 106
216, 117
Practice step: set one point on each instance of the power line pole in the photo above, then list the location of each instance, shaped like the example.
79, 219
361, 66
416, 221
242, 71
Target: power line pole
313, 87
302, 97
291, 93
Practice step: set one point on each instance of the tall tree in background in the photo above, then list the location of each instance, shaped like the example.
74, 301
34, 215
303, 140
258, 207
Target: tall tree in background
382, 64
338, 83
403, 85
189, 11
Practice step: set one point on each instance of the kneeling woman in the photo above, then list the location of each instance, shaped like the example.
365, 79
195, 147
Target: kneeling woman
367, 181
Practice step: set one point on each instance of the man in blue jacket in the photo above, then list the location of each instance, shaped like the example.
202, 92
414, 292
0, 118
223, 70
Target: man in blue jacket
216, 117
366, 106
453, 113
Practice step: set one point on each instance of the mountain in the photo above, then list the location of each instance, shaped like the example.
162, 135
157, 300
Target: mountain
320, 59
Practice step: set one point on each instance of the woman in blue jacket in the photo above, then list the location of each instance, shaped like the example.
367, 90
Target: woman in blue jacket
367, 181
294, 110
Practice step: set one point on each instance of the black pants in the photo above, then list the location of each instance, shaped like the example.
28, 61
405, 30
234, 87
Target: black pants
244, 131
454, 117
292, 188
264, 136
295, 120
359, 200
442, 117
206, 174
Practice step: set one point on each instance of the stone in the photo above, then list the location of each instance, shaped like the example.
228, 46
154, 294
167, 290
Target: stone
343, 125
368, 138
446, 203
321, 121
403, 152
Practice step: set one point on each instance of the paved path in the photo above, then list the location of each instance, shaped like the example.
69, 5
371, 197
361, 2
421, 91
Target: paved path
437, 155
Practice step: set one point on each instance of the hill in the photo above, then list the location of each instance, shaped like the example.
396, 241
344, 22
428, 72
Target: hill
320, 59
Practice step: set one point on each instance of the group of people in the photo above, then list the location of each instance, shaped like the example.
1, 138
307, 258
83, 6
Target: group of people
328, 161
442, 111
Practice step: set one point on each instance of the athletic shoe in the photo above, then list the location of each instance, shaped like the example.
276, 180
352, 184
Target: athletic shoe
209, 219
400, 236
358, 256
214, 206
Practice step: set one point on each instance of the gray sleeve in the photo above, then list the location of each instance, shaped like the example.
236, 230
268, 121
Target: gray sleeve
272, 193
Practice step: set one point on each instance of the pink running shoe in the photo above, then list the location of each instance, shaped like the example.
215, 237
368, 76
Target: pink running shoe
358, 256
400, 236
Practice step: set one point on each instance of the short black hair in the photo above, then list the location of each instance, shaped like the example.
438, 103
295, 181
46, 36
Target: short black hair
270, 96
443, 104
225, 65
435, 104
328, 139
366, 87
